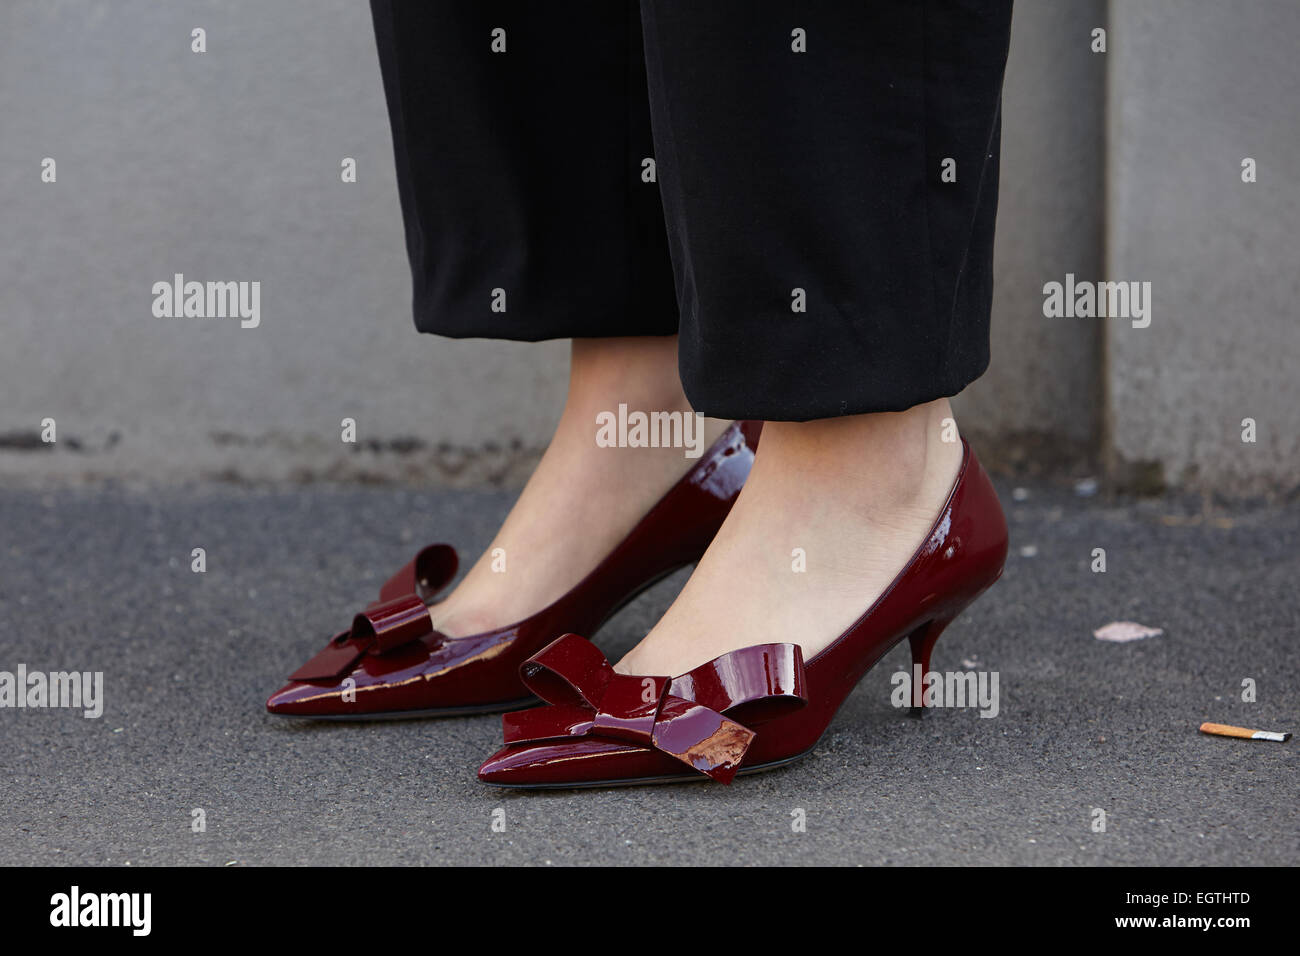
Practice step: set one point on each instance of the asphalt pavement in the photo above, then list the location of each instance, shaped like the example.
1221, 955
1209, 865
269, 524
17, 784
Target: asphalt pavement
100, 579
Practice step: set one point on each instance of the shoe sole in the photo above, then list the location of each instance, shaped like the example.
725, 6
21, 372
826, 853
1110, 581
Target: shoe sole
468, 710
647, 781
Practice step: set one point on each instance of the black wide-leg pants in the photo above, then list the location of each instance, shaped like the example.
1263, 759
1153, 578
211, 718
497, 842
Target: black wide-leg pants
804, 191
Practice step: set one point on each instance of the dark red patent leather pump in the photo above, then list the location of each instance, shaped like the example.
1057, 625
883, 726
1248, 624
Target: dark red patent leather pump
393, 663
752, 709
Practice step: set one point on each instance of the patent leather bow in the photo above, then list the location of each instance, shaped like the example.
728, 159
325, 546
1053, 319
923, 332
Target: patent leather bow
400, 616
682, 717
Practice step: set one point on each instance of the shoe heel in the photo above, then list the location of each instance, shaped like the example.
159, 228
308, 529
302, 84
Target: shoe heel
922, 641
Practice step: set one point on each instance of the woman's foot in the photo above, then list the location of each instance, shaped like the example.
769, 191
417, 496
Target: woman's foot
583, 498
832, 511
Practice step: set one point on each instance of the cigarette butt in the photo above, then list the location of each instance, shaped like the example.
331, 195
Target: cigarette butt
1227, 730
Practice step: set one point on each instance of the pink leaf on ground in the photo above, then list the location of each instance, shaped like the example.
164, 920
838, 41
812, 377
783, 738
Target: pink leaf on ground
1122, 631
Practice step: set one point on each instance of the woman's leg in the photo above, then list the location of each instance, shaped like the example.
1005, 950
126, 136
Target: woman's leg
829, 174
832, 511
583, 498
521, 132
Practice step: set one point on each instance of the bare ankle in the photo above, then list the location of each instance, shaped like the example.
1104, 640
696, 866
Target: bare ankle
640, 372
880, 462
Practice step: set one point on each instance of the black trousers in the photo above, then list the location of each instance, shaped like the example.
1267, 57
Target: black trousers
805, 191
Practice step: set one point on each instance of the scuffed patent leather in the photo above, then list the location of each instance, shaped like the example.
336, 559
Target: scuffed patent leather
393, 662
586, 696
961, 557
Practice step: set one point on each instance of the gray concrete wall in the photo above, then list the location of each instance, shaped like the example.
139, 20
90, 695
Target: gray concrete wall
225, 165
1194, 89
1040, 401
